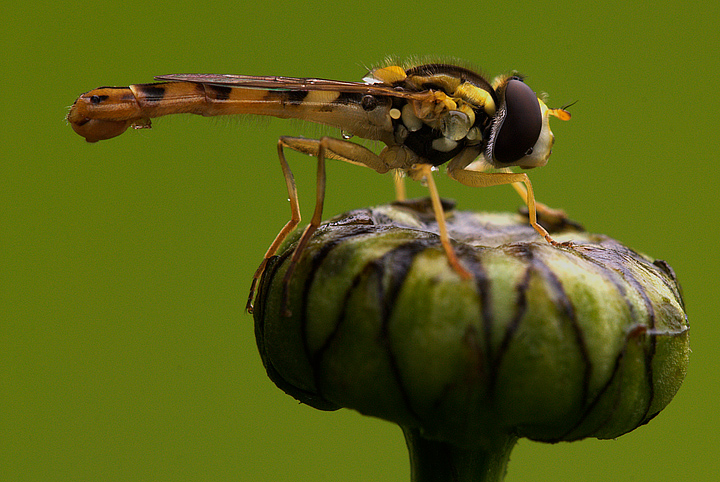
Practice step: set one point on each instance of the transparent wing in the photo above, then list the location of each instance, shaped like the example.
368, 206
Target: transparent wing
290, 83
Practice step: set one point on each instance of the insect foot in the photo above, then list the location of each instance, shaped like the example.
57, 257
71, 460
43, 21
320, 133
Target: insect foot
547, 343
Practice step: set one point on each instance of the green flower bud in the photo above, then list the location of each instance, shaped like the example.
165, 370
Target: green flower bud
549, 343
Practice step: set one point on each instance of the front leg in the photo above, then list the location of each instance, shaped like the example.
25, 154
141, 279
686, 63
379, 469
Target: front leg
555, 217
486, 179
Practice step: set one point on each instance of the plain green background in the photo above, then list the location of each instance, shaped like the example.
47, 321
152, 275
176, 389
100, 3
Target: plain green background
125, 353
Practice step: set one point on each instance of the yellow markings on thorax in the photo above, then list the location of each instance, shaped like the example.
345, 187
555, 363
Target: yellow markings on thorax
458, 89
435, 106
387, 75
476, 96
448, 93
445, 82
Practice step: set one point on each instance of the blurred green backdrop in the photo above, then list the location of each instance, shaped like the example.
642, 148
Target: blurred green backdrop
125, 353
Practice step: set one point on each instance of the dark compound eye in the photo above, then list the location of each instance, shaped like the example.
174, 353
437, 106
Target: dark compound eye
518, 124
96, 99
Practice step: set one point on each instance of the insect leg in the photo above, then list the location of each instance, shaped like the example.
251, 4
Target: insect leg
399, 179
327, 147
310, 228
553, 216
485, 179
425, 171
340, 150
287, 229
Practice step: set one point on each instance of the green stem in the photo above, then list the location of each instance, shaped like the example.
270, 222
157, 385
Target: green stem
434, 461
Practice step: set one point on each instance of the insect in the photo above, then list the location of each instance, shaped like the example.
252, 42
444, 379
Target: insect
426, 115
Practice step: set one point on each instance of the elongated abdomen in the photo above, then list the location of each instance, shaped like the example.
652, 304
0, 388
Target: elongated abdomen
107, 112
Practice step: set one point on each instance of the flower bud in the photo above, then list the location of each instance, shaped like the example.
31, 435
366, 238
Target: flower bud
544, 342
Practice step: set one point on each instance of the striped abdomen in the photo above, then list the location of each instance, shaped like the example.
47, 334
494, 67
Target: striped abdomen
107, 112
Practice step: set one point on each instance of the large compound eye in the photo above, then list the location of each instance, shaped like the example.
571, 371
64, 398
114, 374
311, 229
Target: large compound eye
519, 123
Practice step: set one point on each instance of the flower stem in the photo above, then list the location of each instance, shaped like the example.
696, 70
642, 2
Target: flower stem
436, 461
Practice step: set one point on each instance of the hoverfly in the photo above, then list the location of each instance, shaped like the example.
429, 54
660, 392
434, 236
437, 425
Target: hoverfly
426, 115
